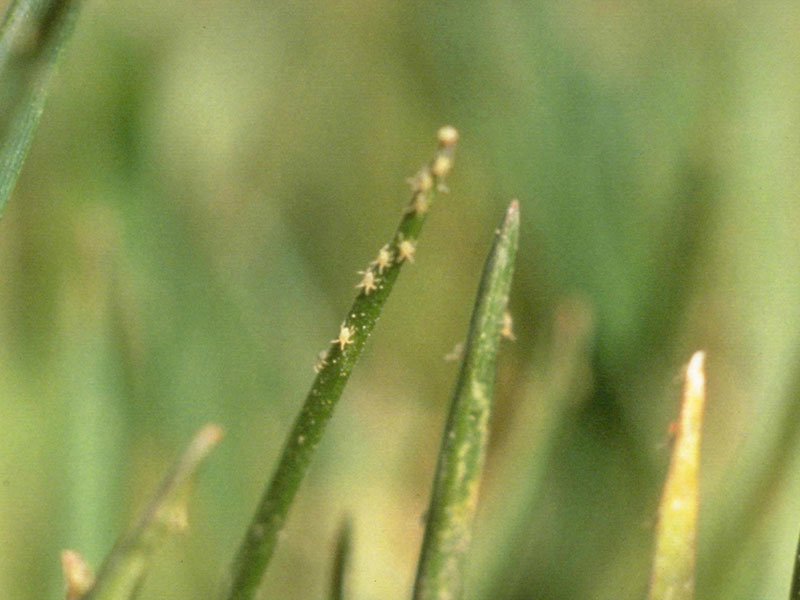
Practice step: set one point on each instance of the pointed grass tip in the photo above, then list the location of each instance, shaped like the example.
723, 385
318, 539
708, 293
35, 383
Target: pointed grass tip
695, 373
208, 437
78, 576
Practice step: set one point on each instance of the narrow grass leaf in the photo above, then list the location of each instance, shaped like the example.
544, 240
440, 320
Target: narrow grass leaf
341, 560
31, 39
454, 499
333, 367
124, 569
676, 533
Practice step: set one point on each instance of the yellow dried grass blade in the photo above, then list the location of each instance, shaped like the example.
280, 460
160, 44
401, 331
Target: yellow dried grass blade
676, 533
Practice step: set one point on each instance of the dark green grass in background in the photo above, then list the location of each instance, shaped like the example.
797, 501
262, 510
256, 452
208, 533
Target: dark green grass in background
208, 178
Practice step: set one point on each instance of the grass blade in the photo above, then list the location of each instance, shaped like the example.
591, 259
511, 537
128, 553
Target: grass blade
341, 560
333, 369
31, 39
674, 561
458, 475
794, 594
521, 471
123, 571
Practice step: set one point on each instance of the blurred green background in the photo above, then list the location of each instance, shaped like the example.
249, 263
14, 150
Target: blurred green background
209, 176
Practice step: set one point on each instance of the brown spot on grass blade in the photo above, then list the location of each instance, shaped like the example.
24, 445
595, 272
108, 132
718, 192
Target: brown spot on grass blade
676, 533
125, 567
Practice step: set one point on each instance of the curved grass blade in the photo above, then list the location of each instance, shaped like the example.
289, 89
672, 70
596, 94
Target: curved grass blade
341, 560
455, 490
333, 369
123, 570
31, 39
674, 561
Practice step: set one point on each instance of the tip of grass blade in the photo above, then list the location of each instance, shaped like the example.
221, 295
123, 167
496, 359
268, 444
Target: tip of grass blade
454, 498
203, 442
676, 533
125, 567
341, 560
78, 576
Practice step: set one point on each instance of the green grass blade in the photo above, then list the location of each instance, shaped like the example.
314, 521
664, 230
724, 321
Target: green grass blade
455, 490
794, 594
333, 369
676, 533
123, 570
31, 38
341, 560
521, 470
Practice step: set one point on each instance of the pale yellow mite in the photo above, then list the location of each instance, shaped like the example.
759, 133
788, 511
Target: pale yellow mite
422, 181
441, 165
368, 282
405, 251
419, 205
448, 135
322, 361
345, 337
384, 259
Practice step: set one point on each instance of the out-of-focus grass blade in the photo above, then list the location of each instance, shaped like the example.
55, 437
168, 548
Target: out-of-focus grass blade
334, 366
123, 571
78, 576
676, 533
458, 475
794, 594
341, 560
31, 38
